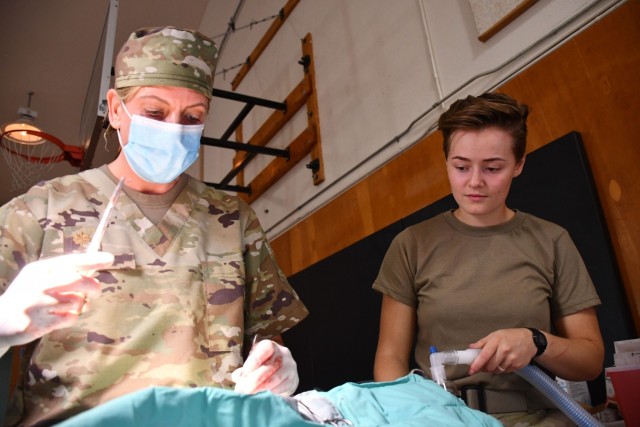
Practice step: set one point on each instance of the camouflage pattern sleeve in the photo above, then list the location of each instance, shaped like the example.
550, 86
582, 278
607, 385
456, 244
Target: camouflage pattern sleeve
174, 308
272, 306
20, 239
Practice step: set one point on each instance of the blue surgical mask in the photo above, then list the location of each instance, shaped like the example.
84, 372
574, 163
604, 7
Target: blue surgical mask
159, 152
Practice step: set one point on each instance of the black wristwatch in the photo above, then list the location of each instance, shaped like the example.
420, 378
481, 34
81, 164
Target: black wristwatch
540, 340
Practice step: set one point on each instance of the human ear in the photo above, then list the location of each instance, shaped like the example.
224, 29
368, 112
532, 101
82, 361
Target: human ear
115, 108
519, 167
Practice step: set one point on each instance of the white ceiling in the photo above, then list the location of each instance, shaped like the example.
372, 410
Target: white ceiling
53, 48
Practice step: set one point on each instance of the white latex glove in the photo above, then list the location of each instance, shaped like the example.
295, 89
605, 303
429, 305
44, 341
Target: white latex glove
48, 294
269, 366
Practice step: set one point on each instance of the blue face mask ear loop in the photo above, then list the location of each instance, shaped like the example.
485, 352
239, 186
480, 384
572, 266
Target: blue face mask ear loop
124, 107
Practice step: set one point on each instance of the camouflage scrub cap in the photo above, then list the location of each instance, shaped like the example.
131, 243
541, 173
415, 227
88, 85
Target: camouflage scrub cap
167, 56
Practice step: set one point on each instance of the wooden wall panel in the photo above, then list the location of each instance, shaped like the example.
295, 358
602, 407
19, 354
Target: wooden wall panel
403, 185
590, 84
390, 193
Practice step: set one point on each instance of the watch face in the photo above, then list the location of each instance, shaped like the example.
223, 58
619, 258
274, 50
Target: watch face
540, 341
543, 339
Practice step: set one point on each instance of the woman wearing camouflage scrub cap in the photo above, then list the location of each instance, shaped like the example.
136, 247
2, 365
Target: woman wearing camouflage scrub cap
186, 276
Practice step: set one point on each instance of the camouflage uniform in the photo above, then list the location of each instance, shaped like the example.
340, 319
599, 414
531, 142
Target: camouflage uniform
174, 308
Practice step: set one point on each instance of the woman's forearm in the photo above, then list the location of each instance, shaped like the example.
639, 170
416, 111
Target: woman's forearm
572, 359
577, 352
389, 368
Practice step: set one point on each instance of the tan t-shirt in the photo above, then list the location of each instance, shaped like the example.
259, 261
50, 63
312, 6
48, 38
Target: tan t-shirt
466, 282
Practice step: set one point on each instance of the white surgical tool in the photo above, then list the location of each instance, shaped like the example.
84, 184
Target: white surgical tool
94, 245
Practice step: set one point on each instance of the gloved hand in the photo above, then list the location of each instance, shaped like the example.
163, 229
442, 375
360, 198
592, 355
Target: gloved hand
269, 366
48, 294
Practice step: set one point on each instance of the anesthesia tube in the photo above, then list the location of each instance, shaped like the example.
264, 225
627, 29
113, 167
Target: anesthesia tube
531, 373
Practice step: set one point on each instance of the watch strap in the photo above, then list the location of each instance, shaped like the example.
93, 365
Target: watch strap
540, 341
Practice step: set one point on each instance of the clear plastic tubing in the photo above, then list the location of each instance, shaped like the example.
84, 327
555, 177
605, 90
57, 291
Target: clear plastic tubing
557, 395
531, 373
454, 357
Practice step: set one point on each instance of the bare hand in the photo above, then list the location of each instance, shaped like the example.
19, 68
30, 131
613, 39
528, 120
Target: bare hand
503, 351
48, 294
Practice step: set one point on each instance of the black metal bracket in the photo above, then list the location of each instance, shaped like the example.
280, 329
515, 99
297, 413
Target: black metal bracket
223, 141
305, 61
215, 142
234, 96
314, 165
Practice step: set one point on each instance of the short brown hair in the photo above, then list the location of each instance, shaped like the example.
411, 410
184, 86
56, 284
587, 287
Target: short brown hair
485, 111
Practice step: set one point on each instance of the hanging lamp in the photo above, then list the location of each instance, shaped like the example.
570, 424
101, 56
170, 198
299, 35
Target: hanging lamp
21, 129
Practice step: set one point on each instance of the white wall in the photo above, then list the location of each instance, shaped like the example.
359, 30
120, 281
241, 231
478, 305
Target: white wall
379, 66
